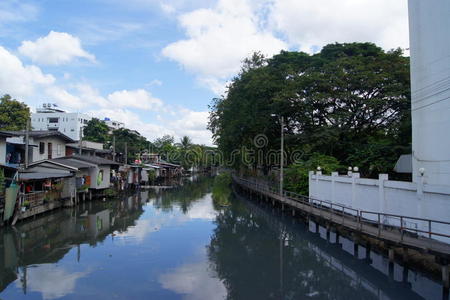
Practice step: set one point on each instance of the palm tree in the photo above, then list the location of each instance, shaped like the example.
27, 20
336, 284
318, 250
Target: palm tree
185, 143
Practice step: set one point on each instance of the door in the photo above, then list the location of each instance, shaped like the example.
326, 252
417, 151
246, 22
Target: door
49, 151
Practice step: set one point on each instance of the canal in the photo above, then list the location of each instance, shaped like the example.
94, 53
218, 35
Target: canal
183, 243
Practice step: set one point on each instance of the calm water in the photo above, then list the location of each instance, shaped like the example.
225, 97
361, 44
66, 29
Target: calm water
180, 244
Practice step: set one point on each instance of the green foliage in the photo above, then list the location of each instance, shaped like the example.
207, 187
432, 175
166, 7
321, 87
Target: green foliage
13, 114
296, 175
349, 101
96, 131
135, 143
221, 190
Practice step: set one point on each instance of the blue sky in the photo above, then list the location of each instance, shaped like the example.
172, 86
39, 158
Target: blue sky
156, 65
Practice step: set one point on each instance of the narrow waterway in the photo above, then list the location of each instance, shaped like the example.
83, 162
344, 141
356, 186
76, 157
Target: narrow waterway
180, 243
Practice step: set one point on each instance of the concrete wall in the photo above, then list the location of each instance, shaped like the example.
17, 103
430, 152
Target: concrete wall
94, 172
411, 199
69, 123
430, 93
58, 148
2, 151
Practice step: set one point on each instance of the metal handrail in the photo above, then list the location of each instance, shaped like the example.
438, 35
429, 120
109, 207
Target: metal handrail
357, 214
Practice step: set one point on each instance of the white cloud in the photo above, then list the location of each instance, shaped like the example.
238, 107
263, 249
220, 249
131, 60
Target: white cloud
136, 98
17, 11
218, 39
310, 24
20, 80
55, 49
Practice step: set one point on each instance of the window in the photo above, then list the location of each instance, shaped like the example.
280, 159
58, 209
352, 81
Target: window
59, 149
41, 148
53, 120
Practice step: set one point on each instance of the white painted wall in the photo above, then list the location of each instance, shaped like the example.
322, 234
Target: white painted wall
93, 172
430, 86
411, 199
58, 148
2, 151
69, 124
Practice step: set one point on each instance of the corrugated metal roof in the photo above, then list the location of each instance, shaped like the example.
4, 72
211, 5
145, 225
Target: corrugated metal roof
41, 134
95, 160
38, 175
73, 163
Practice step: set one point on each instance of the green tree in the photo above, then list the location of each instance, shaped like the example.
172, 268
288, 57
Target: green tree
96, 131
134, 142
346, 100
13, 114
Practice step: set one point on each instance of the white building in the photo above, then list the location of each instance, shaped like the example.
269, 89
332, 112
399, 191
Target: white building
429, 23
49, 117
113, 125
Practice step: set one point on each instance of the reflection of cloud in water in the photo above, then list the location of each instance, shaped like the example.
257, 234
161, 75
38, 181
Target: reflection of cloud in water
202, 209
50, 280
195, 280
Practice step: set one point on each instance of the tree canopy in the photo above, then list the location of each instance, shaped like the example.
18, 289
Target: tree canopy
349, 101
96, 131
13, 114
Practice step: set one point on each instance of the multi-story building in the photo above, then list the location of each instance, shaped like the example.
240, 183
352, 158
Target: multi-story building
113, 125
50, 117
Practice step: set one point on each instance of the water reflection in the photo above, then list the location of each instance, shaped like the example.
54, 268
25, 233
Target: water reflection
180, 243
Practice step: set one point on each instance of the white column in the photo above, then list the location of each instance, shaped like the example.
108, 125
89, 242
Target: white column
333, 186
381, 196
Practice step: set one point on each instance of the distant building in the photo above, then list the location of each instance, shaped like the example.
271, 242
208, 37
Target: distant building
113, 125
50, 117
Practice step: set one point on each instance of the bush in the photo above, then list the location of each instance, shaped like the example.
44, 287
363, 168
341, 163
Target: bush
296, 175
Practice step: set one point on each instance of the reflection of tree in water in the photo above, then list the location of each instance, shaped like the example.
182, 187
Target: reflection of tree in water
258, 259
184, 195
221, 191
50, 237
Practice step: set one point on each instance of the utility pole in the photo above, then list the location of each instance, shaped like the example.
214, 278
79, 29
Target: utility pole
282, 155
80, 144
27, 143
114, 148
126, 153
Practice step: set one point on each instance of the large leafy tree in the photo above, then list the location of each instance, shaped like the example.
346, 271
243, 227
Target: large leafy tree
349, 101
130, 140
96, 131
13, 114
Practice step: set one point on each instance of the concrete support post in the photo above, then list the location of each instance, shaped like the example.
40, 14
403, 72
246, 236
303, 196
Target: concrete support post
316, 189
355, 249
445, 276
391, 255
354, 203
293, 212
333, 186
310, 184
381, 198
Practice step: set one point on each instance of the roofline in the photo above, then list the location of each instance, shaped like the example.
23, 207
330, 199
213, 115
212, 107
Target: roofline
54, 163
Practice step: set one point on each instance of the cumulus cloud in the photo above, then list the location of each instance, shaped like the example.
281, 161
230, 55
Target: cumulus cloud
310, 25
140, 98
218, 39
18, 79
56, 48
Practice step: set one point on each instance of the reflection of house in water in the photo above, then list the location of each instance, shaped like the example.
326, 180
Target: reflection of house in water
49, 238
